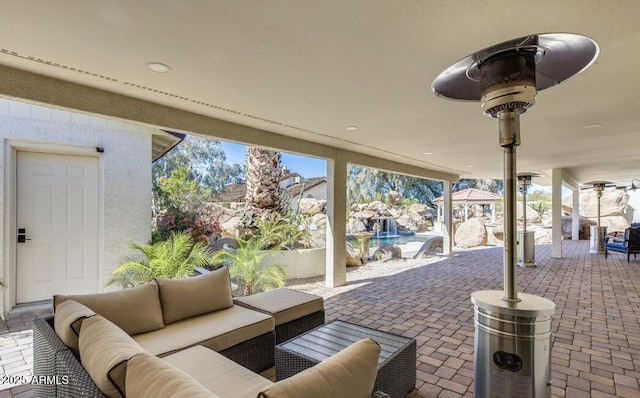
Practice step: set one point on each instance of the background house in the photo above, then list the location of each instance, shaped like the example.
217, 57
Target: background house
293, 187
76, 189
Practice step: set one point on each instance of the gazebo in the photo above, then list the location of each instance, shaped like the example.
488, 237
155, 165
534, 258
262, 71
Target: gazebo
470, 197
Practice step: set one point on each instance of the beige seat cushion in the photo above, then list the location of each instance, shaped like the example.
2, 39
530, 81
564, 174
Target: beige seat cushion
67, 322
151, 377
189, 297
103, 347
135, 310
218, 373
218, 330
284, 304
351, 373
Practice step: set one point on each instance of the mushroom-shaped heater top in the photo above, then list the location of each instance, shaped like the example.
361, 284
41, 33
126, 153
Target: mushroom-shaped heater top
536, 62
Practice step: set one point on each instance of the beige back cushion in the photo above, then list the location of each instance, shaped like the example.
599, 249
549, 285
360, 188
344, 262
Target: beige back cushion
135, 310
351, 373
104, 346
150, 377
67, 314
188, 297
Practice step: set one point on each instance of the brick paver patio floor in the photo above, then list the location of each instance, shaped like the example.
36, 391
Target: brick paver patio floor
596, 328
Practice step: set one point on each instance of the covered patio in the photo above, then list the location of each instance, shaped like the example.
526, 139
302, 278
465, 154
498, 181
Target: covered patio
596, 327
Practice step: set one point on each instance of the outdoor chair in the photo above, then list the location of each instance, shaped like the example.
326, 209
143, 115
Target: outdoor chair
629, 243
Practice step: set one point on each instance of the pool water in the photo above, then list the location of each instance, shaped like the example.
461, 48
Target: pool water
398, 240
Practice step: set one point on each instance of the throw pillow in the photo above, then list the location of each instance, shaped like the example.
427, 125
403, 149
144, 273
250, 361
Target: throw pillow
136, 310
149, 376
103, 347
66, 322
351, 373
189, 297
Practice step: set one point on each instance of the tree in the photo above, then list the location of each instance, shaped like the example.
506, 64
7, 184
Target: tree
205, 161
174, 258
263, 181
179, 192
366, 184
494, 186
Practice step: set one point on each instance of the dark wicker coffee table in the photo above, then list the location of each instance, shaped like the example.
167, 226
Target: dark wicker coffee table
396, 366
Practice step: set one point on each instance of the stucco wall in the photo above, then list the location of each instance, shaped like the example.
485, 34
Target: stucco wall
125, 167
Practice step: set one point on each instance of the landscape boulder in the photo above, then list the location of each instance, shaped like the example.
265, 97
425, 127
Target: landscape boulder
471, 233
311, 206
395, 198
386, 252
353, 256
430, 247
612, 203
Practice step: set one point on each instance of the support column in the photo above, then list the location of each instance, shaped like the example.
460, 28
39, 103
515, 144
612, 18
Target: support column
492, 207
575, 216
556, 216
336, 252
447, 228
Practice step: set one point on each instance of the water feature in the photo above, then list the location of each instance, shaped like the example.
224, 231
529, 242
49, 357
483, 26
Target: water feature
385, 227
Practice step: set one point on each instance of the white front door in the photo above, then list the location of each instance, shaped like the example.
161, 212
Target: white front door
57, 209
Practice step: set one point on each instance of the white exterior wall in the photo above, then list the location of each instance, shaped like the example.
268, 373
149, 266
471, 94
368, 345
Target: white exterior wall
317, 192
125, 168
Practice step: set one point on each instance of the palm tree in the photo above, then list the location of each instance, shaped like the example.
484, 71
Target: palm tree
263, 180
245, 266
173, 258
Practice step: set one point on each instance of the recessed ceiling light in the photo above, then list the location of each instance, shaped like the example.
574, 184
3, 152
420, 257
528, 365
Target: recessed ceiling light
596, 150
158, 67
428, 153
592, 126
351, 128
469, 166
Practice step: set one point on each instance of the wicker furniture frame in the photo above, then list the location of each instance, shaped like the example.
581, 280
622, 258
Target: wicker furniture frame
396, 366
289, 330
52, 357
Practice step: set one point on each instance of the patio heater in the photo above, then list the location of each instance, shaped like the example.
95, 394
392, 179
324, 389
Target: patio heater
513, 332
597, 232
526, 239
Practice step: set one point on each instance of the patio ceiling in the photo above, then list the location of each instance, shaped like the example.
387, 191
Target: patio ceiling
311, 69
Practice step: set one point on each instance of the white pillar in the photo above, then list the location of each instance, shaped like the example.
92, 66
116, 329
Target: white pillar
336, 257
466, 211
556, 209
492, 206
575, 215
447, 231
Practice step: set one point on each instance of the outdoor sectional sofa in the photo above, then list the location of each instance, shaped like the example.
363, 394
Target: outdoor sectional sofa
185, 334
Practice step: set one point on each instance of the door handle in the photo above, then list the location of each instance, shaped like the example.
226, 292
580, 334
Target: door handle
22, 235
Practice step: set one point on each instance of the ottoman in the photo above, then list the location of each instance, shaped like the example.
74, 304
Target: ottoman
294, 312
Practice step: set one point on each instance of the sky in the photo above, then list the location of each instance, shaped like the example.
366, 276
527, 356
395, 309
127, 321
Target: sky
305, 166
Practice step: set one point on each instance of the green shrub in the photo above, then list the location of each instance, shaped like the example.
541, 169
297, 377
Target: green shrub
246, 269
173, 258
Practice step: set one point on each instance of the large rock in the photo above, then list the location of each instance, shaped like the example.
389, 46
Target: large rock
215, 213
612, 203
583, 232
223, 243
471, 233
311, 206
356, 226
430, 247
353, 256
233, 228
386, 252
532, 215
614, 223
395, 198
